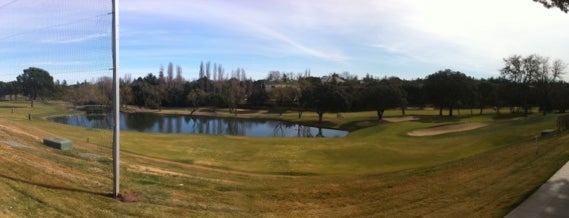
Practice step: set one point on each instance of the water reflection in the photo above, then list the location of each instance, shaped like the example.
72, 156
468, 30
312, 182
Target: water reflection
145, 122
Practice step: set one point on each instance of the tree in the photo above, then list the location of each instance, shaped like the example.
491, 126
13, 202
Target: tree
146, 92
446, 88
559, 98
563, 5
258, 95
36, 82
234, 93
126, 93
284, 97
324, 98
485, 95
546, 76
530, 73
380, 97
195, 97
104, 91
414, 92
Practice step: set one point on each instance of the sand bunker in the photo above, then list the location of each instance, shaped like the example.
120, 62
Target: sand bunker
438, 130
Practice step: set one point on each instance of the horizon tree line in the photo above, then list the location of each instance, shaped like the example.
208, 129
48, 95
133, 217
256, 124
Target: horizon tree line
524, 82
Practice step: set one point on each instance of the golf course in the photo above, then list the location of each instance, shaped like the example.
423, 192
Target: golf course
418, 165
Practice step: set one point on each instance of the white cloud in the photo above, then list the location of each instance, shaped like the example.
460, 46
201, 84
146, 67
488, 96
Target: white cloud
482, 32
361, 35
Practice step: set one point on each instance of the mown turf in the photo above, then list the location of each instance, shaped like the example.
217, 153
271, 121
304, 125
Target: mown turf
376, 171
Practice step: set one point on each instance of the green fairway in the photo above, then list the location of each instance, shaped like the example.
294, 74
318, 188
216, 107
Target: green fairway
374, 171
381, 148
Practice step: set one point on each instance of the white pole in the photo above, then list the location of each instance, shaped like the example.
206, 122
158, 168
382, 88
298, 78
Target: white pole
116, 101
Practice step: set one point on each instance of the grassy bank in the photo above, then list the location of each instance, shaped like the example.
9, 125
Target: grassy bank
376, 171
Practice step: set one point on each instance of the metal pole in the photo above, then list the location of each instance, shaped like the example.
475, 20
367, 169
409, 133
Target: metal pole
116, 101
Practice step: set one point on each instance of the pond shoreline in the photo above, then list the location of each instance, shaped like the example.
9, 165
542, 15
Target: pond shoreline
244, 114
199, 123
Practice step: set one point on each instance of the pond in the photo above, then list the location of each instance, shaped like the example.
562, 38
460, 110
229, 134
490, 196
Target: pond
153, 123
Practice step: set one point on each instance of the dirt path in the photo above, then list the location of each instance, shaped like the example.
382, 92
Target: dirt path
438, 130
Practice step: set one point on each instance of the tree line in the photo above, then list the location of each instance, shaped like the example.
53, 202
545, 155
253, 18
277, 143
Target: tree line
524, 82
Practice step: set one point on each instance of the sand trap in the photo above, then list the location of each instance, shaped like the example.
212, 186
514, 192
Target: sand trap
438, 130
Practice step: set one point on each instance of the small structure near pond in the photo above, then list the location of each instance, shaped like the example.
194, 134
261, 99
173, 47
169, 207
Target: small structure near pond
547, 132
58, 143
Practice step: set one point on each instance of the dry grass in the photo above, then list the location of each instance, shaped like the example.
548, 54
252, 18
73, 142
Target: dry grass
39, 181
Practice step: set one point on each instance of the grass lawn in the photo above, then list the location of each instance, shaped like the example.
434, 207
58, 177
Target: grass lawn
374, 171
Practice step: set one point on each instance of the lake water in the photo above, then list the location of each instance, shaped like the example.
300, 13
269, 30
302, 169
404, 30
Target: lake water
153, 123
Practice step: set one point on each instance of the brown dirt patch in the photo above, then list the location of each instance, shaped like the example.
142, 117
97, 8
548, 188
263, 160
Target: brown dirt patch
128, 197
438, 130
153, 170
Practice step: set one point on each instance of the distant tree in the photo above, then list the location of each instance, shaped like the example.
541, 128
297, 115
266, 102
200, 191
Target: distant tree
161, 88
274, 76
172, 88
530, 73
59, 89
36, 82
126, 94
324, 98
258, 96
202, 71
563, 5
446, 88
413, 90
146, 92
305, 84
559, 96
284, 97
4, 89
233, 93
546, 76
170, 75
85, 93
380, 97
486, 95
104, 90
397, 84
195, 97
208, 70
13, 89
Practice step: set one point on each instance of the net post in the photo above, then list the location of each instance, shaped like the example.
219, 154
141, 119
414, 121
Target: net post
116, 100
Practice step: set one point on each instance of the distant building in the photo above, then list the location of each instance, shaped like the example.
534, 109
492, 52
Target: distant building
334, 78
271, 86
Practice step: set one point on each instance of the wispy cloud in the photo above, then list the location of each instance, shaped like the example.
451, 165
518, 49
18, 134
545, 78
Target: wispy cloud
371, 36
76, 39
253, 19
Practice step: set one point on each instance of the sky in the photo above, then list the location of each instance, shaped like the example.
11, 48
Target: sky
404, 38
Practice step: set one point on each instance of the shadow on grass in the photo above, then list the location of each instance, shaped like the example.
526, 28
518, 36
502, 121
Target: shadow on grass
438, 119
360, 124
294, 173
247, 111
508, 116
10, 107
55, 187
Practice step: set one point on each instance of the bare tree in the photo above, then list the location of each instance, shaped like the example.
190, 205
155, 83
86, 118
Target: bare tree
563, 5
533, 72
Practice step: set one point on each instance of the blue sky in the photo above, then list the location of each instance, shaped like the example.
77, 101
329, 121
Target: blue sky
405, 38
